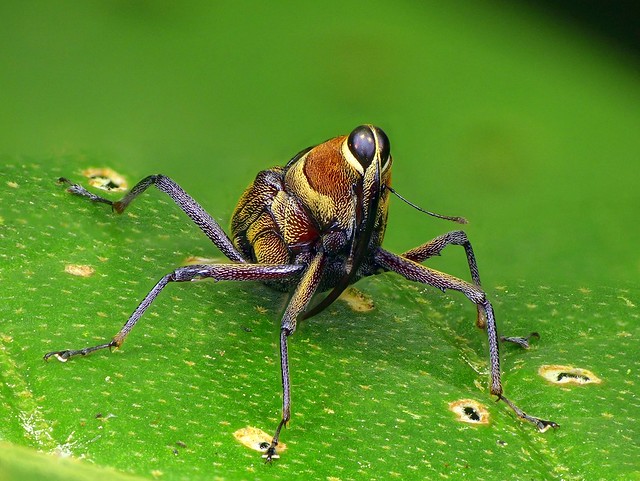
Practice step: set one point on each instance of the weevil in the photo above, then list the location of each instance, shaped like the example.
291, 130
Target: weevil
315, 225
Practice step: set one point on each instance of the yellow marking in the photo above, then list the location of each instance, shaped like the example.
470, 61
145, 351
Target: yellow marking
79, 270
106, 179
627, 302
357, 300
256, 439
195, 260
349, 157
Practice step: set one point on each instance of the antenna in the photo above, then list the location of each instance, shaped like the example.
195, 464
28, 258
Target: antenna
459, 220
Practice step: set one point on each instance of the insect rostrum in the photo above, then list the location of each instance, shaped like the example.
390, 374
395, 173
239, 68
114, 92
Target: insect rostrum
315, 225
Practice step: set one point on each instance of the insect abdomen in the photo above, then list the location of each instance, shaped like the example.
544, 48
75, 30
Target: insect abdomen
253, 229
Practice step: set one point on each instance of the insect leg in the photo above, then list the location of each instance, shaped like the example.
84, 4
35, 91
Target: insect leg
301, 296
220, 272
190, 207
435, 246
419, 273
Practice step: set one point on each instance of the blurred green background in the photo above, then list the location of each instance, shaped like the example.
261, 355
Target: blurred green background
522, 122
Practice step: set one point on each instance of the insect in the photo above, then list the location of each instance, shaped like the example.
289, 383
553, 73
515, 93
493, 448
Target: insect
315, 225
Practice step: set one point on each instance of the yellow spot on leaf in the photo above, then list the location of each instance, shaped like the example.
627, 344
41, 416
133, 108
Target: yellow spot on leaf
558, 374
470, 411
627, 302
79, 270
106, 179
357, 300
195, 260
256, 439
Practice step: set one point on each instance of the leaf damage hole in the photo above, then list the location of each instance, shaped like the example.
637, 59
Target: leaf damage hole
106, 179
558, 374
79, 270
470, 411
256, 439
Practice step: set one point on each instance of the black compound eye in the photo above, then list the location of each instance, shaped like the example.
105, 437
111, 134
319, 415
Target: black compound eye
384, 145
362, 144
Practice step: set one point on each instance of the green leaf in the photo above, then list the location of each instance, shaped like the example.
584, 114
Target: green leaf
371, 390
523, 124
17, 462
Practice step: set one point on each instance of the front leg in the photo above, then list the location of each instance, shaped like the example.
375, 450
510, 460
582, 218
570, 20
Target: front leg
198, 215
418, 273
219, 272
299, 300
435, 246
